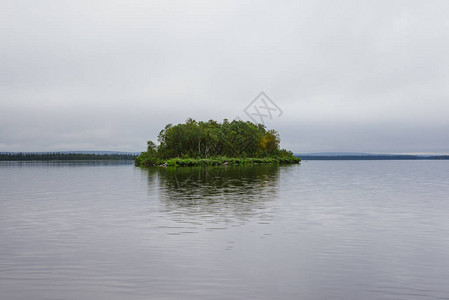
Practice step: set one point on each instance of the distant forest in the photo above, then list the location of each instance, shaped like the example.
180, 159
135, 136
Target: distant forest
63, 156
373, 157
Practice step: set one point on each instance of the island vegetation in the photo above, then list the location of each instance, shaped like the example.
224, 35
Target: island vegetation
212, 143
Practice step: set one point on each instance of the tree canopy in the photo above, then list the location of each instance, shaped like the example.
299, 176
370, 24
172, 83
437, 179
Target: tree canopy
202, 140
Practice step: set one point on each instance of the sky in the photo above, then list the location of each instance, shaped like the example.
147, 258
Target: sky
341, 76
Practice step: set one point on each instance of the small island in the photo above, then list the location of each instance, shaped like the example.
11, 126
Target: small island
212, 143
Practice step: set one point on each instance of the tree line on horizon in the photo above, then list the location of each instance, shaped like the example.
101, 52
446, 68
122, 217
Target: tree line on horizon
63, 156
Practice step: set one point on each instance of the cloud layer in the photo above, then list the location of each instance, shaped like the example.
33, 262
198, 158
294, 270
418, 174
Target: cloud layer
108, 75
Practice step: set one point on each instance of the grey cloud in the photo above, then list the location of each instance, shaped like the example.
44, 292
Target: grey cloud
349, 75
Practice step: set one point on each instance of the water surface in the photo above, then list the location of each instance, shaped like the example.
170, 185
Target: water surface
319, 230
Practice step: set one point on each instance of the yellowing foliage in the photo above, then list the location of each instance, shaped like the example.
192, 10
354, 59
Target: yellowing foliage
270, 141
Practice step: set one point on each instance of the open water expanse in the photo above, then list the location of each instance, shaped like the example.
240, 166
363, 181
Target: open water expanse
318, 230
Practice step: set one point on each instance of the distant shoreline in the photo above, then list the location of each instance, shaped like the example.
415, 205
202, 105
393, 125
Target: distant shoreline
72, 156
58, 156
374, 157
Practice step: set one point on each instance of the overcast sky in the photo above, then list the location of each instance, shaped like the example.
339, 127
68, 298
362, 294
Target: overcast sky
365, 76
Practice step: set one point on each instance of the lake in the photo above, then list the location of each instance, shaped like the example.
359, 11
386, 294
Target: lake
318, 230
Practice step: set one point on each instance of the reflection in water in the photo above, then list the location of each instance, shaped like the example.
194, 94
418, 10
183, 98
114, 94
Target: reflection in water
217, 194
320, 230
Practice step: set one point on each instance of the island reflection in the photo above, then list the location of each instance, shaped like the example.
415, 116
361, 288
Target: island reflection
218, 195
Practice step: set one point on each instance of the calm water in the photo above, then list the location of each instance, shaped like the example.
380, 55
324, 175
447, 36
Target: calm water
320, 230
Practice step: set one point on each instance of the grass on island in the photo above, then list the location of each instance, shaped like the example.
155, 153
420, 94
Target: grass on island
211, 143
215, 161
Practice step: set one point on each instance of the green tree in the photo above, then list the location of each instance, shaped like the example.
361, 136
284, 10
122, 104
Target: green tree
201, 140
